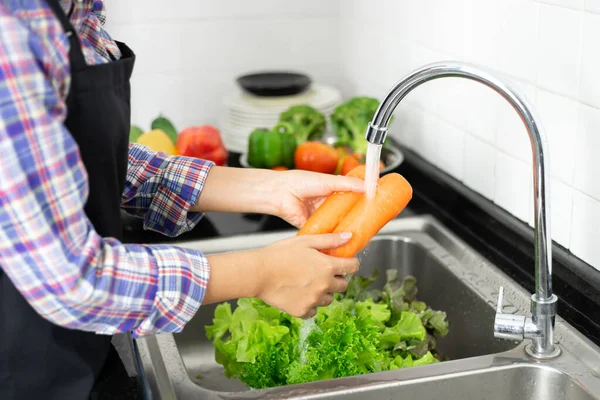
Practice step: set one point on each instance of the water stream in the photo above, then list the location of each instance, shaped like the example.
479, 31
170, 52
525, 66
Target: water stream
372, 169
371, 177
307, 327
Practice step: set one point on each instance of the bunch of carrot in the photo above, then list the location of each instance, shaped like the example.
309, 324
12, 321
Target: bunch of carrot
353, 212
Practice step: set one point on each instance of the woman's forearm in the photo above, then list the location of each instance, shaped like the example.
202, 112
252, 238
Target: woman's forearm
234, 275
237, 190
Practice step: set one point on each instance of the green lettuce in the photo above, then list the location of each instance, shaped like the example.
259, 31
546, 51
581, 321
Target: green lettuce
363, 331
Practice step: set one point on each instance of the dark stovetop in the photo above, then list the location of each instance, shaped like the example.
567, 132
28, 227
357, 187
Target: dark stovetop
495, 234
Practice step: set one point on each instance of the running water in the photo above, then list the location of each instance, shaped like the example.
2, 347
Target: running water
372, 169
307, 327
371, 177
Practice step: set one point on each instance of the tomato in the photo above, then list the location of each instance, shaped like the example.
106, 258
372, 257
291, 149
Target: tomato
316, 157
219, 156
280, 168
342, 154
349, 164
202, 142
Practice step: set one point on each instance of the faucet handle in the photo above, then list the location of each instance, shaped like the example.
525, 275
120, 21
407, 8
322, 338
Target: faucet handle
500, 300
508, 326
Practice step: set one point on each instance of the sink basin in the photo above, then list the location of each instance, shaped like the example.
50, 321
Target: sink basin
450, 277
498, 383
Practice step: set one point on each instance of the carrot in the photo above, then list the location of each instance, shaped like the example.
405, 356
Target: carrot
334, 208
367, 217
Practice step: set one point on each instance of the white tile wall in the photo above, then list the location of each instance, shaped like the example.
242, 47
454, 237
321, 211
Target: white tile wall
592, 6
587, 166
586, 228
479, 166
196, 10
189, 55
589, 86
561, 196
559, 46
559, 116
550, 50
574, 4
513, 189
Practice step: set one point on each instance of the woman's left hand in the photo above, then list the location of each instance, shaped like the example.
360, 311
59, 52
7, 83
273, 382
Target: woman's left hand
290, 195
302, 192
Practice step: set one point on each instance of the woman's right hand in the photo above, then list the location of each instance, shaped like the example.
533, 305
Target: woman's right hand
297, 278
291, 275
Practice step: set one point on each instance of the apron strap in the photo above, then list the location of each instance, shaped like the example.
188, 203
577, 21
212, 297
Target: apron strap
77, 54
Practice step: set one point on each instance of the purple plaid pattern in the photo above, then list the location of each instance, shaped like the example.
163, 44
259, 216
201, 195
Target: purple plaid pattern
48, 248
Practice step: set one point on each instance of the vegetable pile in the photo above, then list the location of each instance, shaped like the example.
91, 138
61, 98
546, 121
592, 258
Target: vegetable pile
307, 126
202, 141
275, 147
362, 331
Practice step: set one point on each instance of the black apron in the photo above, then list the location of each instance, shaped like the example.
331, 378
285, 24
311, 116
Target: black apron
40, 360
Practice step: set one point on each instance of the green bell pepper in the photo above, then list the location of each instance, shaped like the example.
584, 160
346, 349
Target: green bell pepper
271, 148
288, 143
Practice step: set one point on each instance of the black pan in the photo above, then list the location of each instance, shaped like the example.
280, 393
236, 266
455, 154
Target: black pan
268, 84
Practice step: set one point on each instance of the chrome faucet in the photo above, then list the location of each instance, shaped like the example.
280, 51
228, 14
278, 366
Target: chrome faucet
540, 326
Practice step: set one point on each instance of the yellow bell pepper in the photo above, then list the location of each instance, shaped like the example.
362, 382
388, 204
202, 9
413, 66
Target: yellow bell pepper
157, 140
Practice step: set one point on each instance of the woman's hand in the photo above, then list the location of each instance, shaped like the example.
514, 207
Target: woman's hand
291, 275
300, 193
290, 195
297, 278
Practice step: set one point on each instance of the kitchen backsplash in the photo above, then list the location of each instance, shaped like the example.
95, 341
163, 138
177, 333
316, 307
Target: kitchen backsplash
190, 53
550, 50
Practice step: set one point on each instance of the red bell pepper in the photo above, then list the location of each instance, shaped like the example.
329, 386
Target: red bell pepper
202, 142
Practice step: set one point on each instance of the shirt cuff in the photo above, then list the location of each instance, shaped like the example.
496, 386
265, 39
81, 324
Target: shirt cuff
180, 290
179, 190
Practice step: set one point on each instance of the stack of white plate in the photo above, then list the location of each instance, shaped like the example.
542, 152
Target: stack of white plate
243, 112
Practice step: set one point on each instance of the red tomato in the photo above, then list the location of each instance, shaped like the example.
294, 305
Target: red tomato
349, 164
220, 156
202, 142
317, 157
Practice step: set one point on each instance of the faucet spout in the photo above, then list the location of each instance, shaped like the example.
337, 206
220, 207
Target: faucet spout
540, 327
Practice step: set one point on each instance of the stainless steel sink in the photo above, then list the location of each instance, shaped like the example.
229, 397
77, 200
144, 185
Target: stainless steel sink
450, 277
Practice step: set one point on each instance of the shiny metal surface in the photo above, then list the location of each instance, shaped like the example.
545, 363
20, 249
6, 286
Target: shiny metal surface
508, 326
450, 276
543, 304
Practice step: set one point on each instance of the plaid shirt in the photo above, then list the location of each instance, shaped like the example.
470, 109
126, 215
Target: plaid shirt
48, 248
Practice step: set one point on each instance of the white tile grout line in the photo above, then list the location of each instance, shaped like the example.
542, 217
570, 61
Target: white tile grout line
581, 8
580, 55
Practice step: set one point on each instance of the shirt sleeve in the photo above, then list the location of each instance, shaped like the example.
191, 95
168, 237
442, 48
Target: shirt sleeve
162, 188
48, 248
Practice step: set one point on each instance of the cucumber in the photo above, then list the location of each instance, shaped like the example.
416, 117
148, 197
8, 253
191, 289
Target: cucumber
134, 133
166, 126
